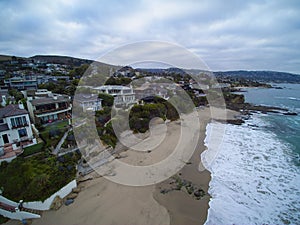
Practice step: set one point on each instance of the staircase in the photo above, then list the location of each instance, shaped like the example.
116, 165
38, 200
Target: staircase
7, 207
34, 211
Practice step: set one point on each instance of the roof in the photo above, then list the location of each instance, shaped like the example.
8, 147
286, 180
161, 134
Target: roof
49, 100
112, 87
86, 98
12, 110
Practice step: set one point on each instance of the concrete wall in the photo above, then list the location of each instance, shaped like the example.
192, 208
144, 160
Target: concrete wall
39, 205
20, 215
30, 108
7, 201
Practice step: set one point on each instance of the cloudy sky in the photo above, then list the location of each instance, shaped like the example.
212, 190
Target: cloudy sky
227, 35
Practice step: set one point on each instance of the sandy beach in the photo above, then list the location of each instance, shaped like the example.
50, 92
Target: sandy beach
104, 202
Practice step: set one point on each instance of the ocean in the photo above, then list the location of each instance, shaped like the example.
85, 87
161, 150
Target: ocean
256, 174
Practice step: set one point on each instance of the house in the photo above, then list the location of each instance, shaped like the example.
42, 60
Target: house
163, 90
46, 107
122, 95
88, 102
15, 131
21, 83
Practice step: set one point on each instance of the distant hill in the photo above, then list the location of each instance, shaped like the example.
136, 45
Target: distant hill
261, 76
5, 57
8, 57
161, 71
67, 60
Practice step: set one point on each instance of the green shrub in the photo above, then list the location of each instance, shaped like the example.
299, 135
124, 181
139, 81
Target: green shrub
107, 100
38, 177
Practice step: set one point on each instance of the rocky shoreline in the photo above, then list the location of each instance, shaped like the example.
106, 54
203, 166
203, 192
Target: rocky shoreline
237, 103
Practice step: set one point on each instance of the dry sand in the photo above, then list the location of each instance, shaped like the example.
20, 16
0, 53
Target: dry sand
104, 202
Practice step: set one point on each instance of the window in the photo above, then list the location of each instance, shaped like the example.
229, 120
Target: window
22, 132
18, 121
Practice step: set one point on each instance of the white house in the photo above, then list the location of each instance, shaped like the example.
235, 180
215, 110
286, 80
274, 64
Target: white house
15, 131
88, 102
122, 95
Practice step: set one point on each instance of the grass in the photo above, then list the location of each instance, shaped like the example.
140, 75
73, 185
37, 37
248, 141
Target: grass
33, 149
59, 127
57, 124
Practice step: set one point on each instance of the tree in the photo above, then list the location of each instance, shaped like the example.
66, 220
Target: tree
107, 100
79, 71
118, 81
17, 94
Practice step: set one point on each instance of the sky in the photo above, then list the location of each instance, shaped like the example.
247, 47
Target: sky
226, 35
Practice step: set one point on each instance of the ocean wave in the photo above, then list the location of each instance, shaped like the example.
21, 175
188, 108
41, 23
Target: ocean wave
254, 180
290, 98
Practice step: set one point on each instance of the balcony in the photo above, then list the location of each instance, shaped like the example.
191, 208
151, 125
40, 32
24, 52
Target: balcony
42, 111
52, 112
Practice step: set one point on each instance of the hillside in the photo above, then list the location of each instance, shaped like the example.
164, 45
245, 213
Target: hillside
261, 76
8, 57
67, 60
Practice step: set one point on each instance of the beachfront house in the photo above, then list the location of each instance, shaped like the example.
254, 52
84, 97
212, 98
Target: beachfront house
89, 102
122, 95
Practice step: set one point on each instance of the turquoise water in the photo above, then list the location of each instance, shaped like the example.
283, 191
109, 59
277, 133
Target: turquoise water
287, 128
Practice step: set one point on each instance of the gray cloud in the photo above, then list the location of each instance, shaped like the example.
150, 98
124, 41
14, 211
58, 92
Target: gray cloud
225, 34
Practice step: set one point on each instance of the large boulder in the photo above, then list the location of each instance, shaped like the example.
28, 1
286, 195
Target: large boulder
57, 203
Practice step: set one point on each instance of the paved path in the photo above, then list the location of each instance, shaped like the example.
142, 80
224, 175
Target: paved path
57, 148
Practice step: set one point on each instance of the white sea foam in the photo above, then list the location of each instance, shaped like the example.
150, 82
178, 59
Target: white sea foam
253, 180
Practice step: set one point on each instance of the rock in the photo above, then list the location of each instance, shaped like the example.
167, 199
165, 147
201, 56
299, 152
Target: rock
199, 193
83, 179
72, 196
57, 203
236, 121
69, 201
184, 183
164, 191
290, 114
76, 190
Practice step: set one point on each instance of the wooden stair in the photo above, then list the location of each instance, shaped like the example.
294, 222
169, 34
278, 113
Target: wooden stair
34, 211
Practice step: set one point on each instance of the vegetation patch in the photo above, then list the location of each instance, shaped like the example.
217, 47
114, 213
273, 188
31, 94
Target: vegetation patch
140, 115
38, 177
